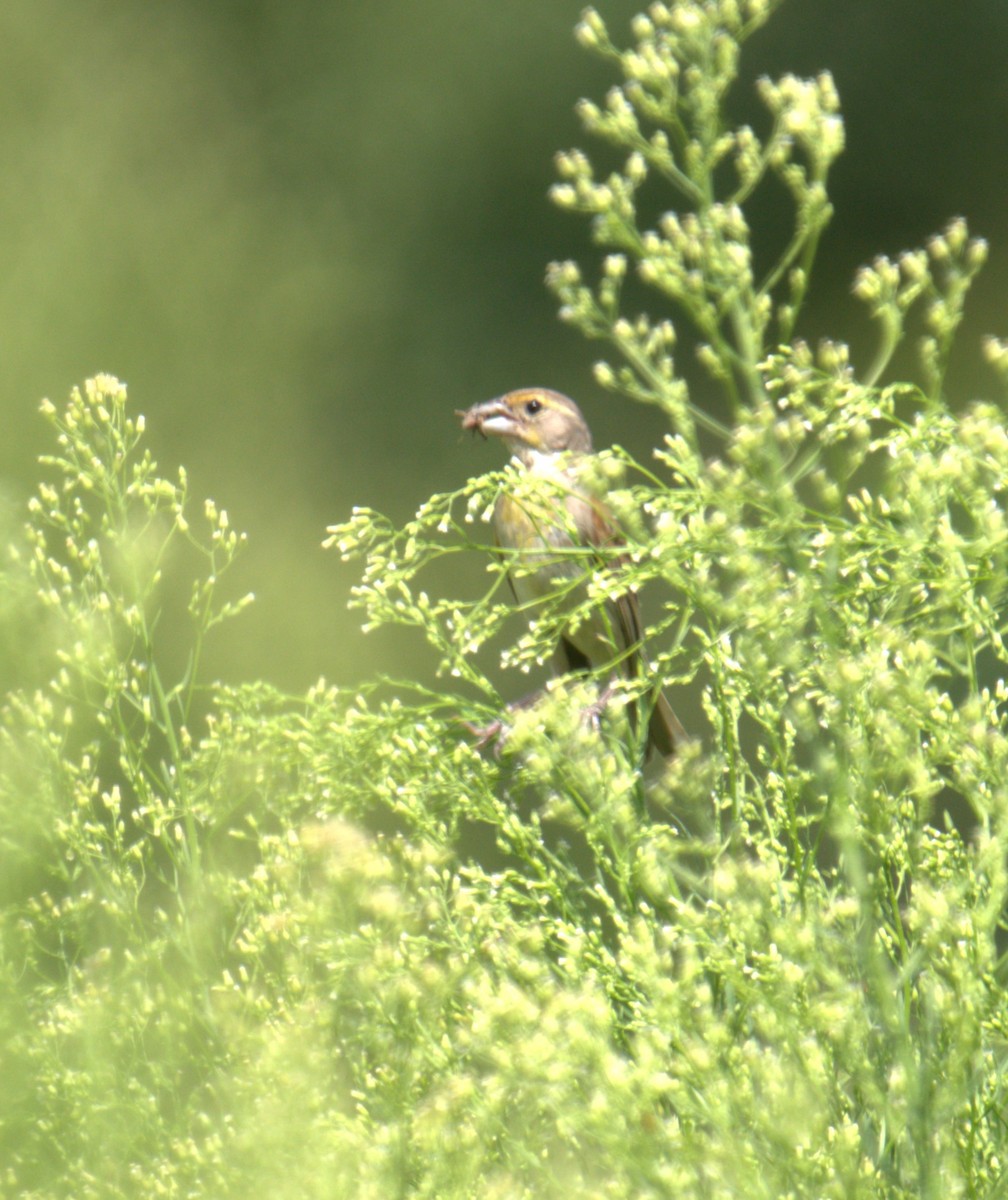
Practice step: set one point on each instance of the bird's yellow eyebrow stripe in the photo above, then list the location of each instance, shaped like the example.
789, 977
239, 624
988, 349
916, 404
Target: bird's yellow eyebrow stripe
522, 398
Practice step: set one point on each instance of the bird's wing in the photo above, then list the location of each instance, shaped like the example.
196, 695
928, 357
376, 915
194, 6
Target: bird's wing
596, 527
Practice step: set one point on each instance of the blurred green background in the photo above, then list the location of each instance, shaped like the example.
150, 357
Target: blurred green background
304, 233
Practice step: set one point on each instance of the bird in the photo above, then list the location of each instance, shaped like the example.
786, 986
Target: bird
546, 434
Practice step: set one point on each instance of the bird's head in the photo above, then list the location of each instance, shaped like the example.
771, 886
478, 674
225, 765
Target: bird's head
531, 421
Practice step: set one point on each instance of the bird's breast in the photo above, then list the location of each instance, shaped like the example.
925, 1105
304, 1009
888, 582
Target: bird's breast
539, 528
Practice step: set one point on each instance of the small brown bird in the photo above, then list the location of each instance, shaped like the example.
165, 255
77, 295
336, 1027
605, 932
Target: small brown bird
547, 434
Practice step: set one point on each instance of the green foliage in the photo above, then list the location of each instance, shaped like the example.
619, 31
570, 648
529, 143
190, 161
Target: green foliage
256, 944
669, 115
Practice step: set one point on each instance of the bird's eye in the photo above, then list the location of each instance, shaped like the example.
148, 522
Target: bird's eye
532, 407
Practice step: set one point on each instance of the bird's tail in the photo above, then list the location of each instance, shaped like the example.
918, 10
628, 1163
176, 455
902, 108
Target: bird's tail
665, 731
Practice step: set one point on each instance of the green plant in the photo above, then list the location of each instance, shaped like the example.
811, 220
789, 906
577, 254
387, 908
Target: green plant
319, 945
837, 562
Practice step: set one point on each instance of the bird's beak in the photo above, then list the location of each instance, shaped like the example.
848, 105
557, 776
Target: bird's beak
491, 418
